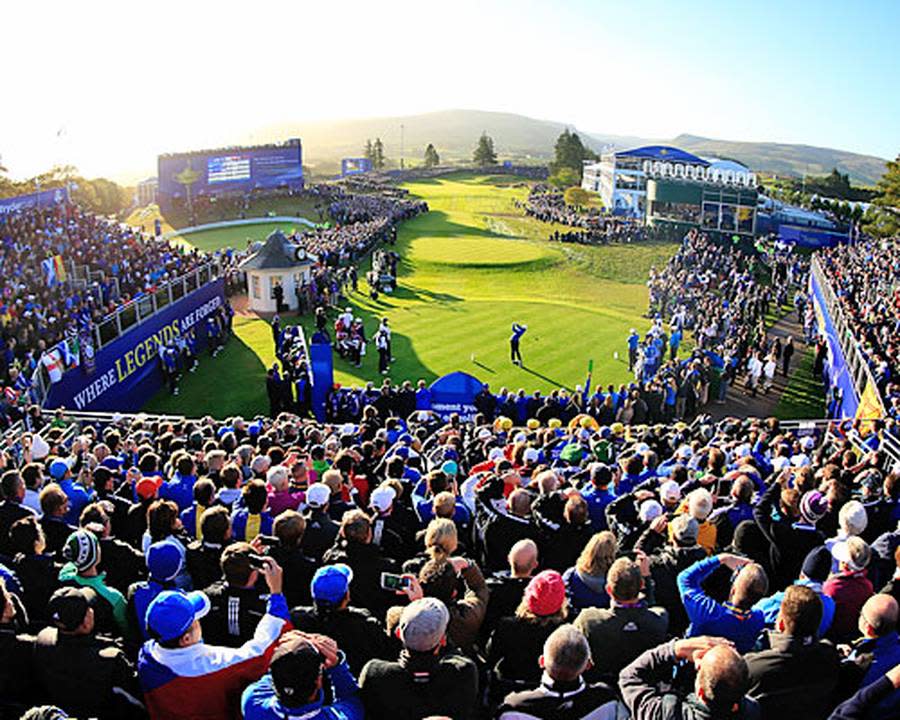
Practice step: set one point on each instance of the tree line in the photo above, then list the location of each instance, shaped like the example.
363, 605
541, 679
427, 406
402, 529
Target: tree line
99, 195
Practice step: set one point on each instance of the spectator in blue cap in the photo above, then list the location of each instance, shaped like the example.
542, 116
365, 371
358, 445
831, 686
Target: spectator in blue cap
164, 563
355, 630
184, 677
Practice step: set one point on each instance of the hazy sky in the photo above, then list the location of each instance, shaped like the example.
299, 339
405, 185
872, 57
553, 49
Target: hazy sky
124, 81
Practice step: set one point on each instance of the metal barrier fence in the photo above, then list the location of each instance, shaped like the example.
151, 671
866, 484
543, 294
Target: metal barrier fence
136, 311
133, 314
890, 445
857, 365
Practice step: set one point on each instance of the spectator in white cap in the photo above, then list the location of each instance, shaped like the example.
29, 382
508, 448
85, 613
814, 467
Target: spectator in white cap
670, 496
387, 531
852, 522
321, 530
849, 588
426, 679
699, 507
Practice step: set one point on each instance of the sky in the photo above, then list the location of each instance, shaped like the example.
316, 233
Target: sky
107, 86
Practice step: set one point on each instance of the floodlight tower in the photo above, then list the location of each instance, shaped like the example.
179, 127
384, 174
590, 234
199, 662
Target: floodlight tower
401, 146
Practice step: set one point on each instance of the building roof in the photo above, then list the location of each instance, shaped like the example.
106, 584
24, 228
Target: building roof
277, 253
664, 153
727, 164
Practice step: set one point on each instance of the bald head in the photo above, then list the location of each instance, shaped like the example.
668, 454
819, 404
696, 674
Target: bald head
750, 586
523, 558
722, 679
878, 616
547, 482
519, 502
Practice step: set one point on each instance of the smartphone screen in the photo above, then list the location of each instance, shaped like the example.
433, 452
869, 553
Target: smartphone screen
390, 581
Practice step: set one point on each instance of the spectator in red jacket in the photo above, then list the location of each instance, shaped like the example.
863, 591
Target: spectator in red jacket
849, 587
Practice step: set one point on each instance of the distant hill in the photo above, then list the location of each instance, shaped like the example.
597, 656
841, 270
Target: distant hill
787, 159
455, 132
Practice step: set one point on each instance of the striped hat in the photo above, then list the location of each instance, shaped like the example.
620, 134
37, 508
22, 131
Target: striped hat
813, 506
82, 549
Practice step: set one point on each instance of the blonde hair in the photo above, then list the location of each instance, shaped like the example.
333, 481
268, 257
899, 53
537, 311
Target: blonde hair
444, 504
333, 479
598, 554
440, 539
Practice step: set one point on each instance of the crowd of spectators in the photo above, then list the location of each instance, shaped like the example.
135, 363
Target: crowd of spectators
722, 294
618, 230
864, 278
547, 204
390, 568
38, 310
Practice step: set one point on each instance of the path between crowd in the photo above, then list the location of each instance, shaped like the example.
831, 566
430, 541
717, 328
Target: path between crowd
739, 403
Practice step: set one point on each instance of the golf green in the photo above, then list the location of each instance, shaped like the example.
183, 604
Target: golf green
470, 267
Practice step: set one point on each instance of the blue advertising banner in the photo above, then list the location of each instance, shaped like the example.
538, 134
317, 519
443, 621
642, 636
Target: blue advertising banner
238, 169
836, 369
35, 199
810, 237
455, 393
322, 367
126, 373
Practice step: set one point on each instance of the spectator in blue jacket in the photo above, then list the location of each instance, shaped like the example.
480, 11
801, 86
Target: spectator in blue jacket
180, 489
294, 687
598, 495
735, 620
79, 496
816, 569
879, 649
164, 563
204, 494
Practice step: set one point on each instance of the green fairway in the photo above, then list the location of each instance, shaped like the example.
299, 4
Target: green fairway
470, 267
236, 237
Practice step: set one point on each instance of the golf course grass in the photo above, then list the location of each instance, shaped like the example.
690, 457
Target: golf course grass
470, 267
237, 236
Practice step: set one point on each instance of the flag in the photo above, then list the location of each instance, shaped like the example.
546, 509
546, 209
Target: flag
60, 268
48, 268
587, 384
869, 408
53, 364
54, 270
68, 352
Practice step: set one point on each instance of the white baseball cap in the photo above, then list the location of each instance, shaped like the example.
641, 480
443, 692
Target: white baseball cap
670, 491
318, 495
382, 498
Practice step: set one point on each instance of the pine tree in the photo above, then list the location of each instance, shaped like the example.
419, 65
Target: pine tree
484, 154
883, 219
378, 155
570, 152
370, 153
432, 159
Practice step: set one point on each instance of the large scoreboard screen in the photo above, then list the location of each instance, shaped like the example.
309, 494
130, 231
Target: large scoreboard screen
230, 170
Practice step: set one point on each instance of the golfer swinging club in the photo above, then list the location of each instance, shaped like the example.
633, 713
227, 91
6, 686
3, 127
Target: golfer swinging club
517, 332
